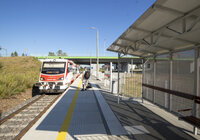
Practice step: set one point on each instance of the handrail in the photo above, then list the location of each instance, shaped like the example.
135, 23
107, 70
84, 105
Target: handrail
173, 92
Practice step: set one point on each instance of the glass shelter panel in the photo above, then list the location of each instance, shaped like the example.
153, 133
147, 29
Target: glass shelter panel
162, 79
183, 79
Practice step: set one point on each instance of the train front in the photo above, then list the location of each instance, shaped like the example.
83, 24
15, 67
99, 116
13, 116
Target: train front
53, 76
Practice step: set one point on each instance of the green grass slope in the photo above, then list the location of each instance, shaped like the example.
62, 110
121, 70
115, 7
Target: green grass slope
17, 74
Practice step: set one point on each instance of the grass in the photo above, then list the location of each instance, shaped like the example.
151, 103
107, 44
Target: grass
17, 74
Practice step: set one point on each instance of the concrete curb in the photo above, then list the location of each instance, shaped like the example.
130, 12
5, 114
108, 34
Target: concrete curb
113, 123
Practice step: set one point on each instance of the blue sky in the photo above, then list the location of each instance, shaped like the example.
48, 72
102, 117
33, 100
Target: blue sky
49, 25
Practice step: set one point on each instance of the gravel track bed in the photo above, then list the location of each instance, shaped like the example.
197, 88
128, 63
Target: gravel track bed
4, 114
12, 127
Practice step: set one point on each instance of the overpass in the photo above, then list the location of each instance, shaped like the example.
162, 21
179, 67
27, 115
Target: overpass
102, 60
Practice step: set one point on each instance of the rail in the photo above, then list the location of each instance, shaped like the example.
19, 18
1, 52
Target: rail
19, 110
174, 92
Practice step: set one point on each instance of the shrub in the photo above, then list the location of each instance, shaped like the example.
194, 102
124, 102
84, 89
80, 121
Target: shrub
1, 65
17, 75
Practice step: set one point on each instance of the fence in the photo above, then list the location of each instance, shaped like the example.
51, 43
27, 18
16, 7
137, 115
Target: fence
131, 84
176, 72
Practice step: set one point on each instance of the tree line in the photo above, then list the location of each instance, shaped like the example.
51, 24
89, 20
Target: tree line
16, 54
58, 53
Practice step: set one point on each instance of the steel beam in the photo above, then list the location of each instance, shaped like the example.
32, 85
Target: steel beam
170, 81
124, 47
194, 23
162, 35
183, 25
128, 53
166, 9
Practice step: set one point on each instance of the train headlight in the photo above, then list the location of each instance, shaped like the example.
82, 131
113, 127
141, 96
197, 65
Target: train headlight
61, 78
42, 79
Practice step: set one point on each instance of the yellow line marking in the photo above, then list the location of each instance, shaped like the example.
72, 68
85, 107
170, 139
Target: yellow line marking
65, 126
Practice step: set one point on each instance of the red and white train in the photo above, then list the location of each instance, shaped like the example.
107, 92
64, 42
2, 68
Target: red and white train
56, 75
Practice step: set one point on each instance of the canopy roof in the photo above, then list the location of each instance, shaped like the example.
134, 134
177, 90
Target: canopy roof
167, 26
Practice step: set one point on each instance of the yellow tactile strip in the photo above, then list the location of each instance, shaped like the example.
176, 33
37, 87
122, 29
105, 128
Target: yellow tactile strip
65, 126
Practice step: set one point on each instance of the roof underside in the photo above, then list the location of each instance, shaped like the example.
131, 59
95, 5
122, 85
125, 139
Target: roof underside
167, 26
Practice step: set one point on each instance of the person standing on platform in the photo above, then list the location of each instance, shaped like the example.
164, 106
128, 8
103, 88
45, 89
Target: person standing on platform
85, 77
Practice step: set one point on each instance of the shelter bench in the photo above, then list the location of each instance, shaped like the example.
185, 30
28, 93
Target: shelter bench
190, 119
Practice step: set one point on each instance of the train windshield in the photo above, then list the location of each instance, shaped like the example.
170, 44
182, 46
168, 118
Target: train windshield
53, 67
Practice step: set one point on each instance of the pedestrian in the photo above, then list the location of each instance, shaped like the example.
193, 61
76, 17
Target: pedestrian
85, 77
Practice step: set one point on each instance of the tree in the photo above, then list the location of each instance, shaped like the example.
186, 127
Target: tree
59, 53
15, 53
23, 54
51, 54
81, 68
64, 54
138, 66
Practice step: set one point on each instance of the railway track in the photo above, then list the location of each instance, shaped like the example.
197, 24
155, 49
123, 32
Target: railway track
15, 125
18, 122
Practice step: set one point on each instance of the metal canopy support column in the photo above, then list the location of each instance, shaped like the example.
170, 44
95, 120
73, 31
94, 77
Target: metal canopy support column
131, 67
170, 80
198, 81
90, 65
143, 78
154, 77
196, 85
118, 67
110, 76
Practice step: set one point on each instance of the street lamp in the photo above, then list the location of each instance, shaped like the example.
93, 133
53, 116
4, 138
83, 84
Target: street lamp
97, 67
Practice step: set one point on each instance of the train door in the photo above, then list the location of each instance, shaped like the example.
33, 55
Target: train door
70, 72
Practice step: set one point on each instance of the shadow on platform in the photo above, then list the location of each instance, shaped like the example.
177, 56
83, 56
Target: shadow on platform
135, 114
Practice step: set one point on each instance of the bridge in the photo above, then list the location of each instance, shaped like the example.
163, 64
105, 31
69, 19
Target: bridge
86, 60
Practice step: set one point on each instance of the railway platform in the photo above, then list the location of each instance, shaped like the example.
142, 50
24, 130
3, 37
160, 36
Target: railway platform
78, 115
95, 114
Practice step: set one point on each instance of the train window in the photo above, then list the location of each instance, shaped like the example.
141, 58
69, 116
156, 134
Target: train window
69, 67
53, 68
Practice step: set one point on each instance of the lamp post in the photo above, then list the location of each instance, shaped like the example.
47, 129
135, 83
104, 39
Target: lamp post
97, 67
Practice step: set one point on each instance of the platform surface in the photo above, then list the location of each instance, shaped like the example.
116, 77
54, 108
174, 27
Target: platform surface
87, 120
